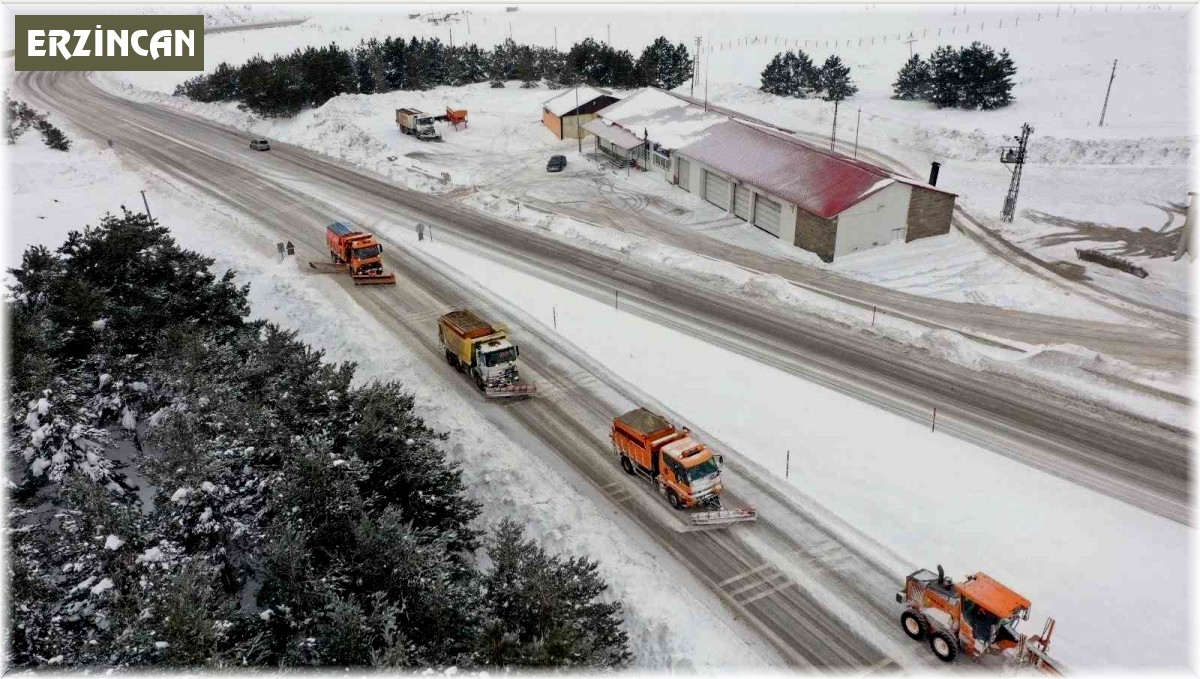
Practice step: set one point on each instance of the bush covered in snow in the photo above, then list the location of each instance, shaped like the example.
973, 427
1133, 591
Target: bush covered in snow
204, 490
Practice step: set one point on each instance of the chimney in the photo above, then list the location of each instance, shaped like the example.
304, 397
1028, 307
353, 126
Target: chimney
933, 172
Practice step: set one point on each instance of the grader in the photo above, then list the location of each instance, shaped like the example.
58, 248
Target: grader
977, 617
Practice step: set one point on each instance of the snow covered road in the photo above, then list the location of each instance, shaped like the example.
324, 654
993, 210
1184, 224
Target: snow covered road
294, 193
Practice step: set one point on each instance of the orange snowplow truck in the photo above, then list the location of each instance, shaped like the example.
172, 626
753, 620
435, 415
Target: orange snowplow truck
356, 252
978, 617
681, 468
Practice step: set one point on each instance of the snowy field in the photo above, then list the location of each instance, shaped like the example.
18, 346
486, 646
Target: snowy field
1086, 186
52, 193
1031, 530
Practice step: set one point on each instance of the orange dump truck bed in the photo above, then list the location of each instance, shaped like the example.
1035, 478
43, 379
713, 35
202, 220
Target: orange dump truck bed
641, 434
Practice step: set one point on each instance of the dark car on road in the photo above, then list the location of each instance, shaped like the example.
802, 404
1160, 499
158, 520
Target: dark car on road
260, 145
556, 164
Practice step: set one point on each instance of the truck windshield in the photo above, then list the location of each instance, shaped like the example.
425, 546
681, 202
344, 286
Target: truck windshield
364, 253
705, 468
497, 357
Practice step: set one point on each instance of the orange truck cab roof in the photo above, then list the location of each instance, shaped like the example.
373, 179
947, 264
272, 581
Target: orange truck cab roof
687, 450
992, 596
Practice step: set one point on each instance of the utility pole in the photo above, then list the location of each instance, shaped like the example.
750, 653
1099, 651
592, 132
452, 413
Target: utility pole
578, 135
1016, 158
695, 64
147, 204
556, 38
857, 125
1111, 78
833, 135
609, 27
910, 42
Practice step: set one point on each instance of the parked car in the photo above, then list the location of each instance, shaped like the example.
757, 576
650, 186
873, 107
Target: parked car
556, 164
260, 145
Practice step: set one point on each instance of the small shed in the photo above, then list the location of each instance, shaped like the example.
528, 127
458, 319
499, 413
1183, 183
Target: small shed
566, 114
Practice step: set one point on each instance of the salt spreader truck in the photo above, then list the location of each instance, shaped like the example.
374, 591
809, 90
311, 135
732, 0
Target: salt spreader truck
355, 252
484, 352
682, 469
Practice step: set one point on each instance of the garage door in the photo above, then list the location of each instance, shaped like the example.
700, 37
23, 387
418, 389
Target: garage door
716, 190
766, 215
741, 201
685, 175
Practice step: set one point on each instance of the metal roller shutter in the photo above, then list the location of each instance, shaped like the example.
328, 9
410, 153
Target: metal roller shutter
685, 175
741, 201
766, 215
716, 190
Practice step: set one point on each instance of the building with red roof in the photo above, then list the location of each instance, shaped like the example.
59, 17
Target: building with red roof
816, 199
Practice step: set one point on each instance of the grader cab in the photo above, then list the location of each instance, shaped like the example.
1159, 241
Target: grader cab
977, 617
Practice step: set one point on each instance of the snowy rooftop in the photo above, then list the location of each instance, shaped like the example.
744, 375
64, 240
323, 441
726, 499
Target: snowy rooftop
668, 120
567, 101
816, 180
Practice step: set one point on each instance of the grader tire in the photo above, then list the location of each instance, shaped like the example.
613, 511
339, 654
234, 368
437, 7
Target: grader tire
915, 625
944, 646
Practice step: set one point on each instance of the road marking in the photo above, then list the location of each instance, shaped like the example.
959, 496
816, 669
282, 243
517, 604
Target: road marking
769, 592
743, 574
765, 580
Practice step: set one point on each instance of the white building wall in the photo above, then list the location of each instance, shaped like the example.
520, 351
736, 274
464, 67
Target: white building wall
880, 219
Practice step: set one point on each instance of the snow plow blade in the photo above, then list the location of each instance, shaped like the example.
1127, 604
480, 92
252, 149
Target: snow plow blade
328, 267
379, 279
722, 517
510, 390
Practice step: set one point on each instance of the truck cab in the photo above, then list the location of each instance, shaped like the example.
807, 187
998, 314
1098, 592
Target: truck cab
425, 128
497, 361
684, 469
360, 251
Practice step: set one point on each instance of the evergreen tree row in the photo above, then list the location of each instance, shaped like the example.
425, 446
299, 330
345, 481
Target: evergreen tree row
19, 117
972, 77
793, 74
195, 489
286, 84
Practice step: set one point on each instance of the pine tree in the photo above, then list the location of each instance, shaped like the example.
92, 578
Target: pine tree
777, 77
913, 81
835, 80
545, 611
945, 77
995, 90
663, 66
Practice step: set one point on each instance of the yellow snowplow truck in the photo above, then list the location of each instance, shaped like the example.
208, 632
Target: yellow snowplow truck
484, 352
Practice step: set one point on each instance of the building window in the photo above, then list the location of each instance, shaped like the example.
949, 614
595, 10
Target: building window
661, 160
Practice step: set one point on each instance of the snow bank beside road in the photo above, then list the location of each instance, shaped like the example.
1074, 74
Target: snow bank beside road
928, 497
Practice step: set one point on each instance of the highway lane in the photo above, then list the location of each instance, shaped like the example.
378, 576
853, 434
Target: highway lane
571, 418
1141, 463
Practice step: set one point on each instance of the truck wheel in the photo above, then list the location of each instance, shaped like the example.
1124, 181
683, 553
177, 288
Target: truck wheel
915, 625
944, 646
626, 465
674, 500
479, 381
451, 359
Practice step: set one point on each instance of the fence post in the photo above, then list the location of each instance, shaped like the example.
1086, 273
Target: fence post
787, 466
933, 427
